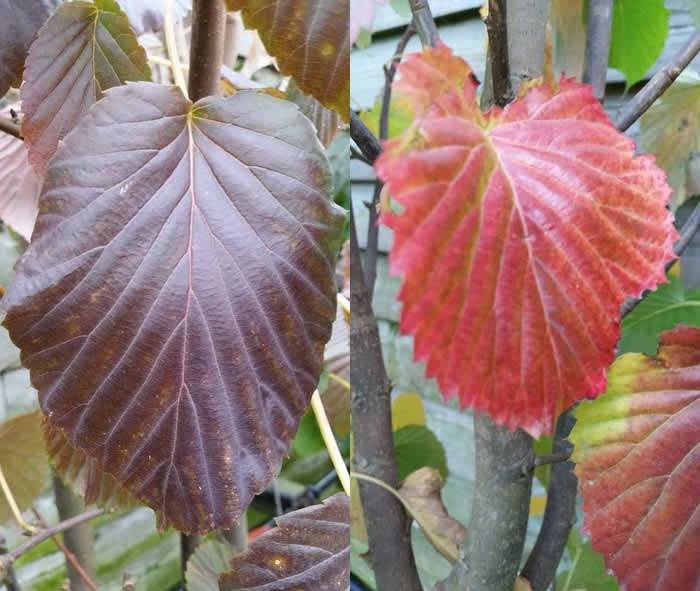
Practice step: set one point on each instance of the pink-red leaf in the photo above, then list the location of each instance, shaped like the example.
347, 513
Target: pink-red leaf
84, 49
175, 300
521, 232
309, 550
637, 454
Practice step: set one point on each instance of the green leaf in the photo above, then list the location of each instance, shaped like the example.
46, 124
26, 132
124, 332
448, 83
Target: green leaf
417, 447
639, 32
588, 571
209, 561
308, 439
660, 310
401, 7
400, 116
23, 461
671, 132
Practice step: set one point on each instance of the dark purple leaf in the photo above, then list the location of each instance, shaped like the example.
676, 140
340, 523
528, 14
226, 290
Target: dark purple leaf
176, 298
84, 49
19, 22
308, 551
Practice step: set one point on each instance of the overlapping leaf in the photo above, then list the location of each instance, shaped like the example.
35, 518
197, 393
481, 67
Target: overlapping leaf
309, 550
671, 131
19, 186
19, 22
209, 561
23, 461
177, 337
637, 454
522, 231
311, 42
84, 49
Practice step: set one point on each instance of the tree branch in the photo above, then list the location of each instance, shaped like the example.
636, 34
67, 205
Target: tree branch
373, 226
595, 63
424, 22
10, 558
364, 138
653, 89
388, 528
9, 126
559, 515
496, 26
207, 47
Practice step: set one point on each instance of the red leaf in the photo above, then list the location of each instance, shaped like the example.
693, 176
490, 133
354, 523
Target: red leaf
637, 456
522, 232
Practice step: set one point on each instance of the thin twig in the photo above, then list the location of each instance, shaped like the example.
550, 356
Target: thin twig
653, 89
324, 426
16, 513
70, 557
364, 138
9, 126
45, 534
425, 23
355, 154
372, 248
9, 576
498, 52
595, 63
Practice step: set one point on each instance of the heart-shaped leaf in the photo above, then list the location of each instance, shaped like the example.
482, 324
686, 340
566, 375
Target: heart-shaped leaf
19, 186
311, 42
19, 22
637, 454
84, 49
522, 232
308, 550
175, 301
23, 461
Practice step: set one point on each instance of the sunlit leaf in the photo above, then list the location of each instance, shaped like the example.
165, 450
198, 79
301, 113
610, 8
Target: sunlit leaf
178, 335
521, 233
19, 186
587, 568
637, 454
639, 31
84, 49
83, 473
671, 131
311, 42
309, 550
362, 14
23, 461
19, 22
209, 561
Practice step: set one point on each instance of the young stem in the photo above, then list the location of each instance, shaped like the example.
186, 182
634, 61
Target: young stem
329, 439
388, 528
79, 540
9, 497
207, 47
171, 46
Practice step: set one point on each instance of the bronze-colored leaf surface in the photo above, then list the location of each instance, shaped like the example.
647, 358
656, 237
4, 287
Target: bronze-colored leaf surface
84, 49
178, 335
82, 472
19, 22
23, 461
309, 550
310, 40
